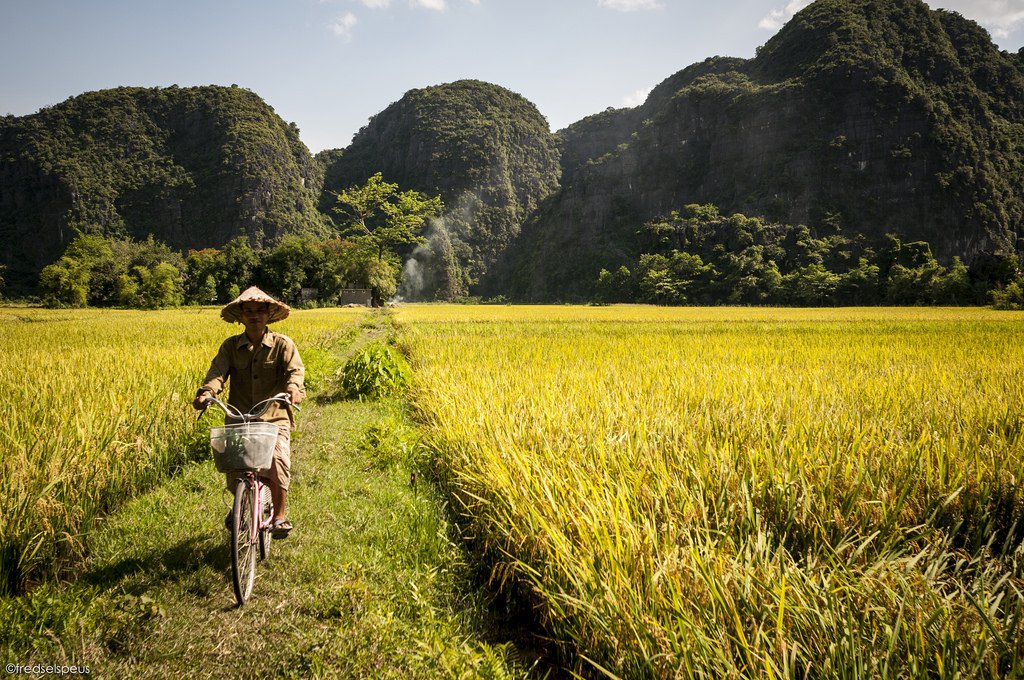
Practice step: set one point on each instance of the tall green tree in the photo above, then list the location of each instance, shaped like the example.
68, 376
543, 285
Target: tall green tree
239, 262
382, 217
203, 270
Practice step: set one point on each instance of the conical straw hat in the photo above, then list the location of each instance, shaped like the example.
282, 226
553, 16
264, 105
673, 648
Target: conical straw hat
232, 311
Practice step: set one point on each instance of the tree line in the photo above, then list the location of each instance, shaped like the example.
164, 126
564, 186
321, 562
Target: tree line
697, 257
374, 222
701, 257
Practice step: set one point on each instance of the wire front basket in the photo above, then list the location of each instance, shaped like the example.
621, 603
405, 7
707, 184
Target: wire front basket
243, 446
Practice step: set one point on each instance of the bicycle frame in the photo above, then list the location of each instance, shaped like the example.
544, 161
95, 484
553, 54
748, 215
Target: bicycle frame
258, 523
261, 522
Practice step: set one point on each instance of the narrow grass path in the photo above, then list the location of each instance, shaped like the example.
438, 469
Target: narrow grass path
368, 585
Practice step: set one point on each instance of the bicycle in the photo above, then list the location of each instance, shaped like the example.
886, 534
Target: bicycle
247, 448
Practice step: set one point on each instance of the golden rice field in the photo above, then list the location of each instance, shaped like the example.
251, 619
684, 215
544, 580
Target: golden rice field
741, 492
96, 406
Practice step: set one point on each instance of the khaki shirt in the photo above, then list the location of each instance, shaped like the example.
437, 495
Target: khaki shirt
256, 373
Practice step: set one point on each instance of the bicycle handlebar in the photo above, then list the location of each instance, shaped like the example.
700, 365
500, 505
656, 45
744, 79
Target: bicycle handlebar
254, 413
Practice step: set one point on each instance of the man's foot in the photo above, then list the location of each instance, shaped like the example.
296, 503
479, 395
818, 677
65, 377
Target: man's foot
281, 528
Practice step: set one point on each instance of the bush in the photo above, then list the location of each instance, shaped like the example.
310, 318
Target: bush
390, 441
382, 277
614, 287
320, 365
1010, 297
375, 372
103, 271
65, 283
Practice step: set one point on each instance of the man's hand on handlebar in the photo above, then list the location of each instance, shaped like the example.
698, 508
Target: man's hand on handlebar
289, 399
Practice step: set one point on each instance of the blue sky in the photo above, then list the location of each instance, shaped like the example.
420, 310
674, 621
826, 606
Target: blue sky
328, 65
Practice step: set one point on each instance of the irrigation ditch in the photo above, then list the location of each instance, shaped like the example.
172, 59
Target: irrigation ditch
510, 611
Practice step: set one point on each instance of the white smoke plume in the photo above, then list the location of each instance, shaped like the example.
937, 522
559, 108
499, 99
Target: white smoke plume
415, 270
412, 277
422, 268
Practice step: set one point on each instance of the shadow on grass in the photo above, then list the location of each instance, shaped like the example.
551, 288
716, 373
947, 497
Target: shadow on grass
136, 575
330, 397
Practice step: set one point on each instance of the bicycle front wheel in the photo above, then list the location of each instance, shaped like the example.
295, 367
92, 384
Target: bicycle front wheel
243, 540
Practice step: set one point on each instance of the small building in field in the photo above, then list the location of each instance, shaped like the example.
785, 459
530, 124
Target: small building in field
356, 296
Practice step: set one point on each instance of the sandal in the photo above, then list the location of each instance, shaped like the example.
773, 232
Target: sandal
281, 528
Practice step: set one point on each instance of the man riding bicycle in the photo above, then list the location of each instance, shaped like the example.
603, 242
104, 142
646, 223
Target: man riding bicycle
260, 364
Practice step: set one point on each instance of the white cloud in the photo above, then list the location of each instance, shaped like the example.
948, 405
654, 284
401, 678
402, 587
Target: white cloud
999, 16
629, 5
343, 25
637, 98
777, 17
436, 5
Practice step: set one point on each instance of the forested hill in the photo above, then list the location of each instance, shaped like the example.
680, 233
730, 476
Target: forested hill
859, 118
487, 151
192, 166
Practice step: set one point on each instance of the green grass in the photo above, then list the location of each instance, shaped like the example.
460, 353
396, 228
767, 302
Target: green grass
368, 585
95, 413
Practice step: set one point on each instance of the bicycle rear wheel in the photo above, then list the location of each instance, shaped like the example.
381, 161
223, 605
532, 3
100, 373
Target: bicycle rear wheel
243, 541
